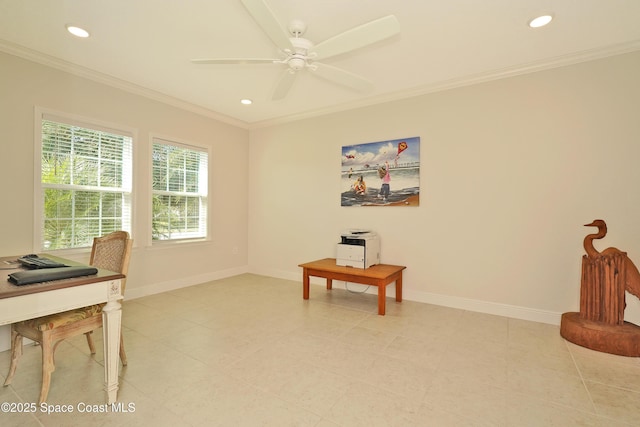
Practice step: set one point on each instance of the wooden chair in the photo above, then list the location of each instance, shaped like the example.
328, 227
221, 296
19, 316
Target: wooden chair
110, 252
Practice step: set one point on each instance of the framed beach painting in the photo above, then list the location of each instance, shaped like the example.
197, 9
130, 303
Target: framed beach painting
384, 173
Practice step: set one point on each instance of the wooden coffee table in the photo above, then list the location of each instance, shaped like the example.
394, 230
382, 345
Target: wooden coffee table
379, 275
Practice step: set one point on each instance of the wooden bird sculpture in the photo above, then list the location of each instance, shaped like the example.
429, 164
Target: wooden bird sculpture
632, 281
600, 324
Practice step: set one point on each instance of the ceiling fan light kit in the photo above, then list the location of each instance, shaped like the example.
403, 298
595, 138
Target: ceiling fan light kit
299, 57
300, 54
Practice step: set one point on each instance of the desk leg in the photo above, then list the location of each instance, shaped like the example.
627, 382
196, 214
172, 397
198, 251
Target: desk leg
399, 288
305, 283
382, 299
111, 324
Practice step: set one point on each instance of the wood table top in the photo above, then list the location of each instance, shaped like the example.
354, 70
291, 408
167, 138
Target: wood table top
9, 265
375, 271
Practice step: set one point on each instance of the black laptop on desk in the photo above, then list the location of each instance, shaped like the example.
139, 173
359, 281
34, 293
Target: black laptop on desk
34, 261
41, 269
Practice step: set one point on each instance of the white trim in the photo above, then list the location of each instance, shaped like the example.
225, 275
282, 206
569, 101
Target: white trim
83, 121
516, 70
559, 61
178, 142
38, 203
156, 288
183, 282
42, 113
488, 307
516, 312
187, 145
77, 70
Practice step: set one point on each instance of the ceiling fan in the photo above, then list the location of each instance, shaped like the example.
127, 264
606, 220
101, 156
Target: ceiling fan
299, 53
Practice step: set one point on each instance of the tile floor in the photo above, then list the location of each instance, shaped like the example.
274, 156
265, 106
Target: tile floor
249, 351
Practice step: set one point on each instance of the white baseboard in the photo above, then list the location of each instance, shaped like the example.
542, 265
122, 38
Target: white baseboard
156, 288
171, 285
506, 310
498, 309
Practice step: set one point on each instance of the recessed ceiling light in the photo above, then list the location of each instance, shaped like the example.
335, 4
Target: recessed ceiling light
540, 21
77, 31
246, 101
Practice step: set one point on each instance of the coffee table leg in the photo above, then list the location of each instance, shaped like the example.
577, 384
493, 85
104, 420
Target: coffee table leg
305, 284
382, 299
329, 283
399, 288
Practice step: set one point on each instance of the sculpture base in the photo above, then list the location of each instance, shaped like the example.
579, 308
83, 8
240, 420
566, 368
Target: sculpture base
623, 340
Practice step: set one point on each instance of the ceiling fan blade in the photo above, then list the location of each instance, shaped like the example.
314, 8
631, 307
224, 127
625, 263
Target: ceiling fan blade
234, 61
342, 77
263, 15
284, 84
358, 37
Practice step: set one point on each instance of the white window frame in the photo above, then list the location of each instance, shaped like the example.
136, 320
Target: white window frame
127, 178
202, 193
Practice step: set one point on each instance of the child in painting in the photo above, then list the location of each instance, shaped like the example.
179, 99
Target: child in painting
359, 186
385, 189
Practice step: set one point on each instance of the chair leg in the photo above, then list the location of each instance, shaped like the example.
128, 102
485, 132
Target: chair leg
16, 352
92, 347
123, 355
48, 367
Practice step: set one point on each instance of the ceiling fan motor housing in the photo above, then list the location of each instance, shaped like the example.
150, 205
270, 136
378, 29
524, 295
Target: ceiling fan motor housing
298, 59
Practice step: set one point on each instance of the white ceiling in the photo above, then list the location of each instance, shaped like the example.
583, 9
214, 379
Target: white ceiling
146, 46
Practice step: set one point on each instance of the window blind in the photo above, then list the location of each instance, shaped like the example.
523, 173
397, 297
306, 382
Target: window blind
86, 183
180, 190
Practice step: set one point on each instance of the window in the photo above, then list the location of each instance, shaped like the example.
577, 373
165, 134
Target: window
180, 175
85, 176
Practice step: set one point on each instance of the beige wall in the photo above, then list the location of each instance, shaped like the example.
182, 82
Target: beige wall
510, 172
25, 85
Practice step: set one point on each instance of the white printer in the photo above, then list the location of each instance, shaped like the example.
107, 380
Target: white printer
358, 248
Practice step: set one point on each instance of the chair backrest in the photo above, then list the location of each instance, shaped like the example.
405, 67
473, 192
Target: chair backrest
112, 252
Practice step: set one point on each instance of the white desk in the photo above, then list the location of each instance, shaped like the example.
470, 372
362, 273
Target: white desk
19, 303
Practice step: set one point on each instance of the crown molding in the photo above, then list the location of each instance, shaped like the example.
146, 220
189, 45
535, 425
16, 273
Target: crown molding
532, 67
503, 73
96, 76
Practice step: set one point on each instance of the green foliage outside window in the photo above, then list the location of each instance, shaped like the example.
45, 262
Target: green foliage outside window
179, 192
83, 176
